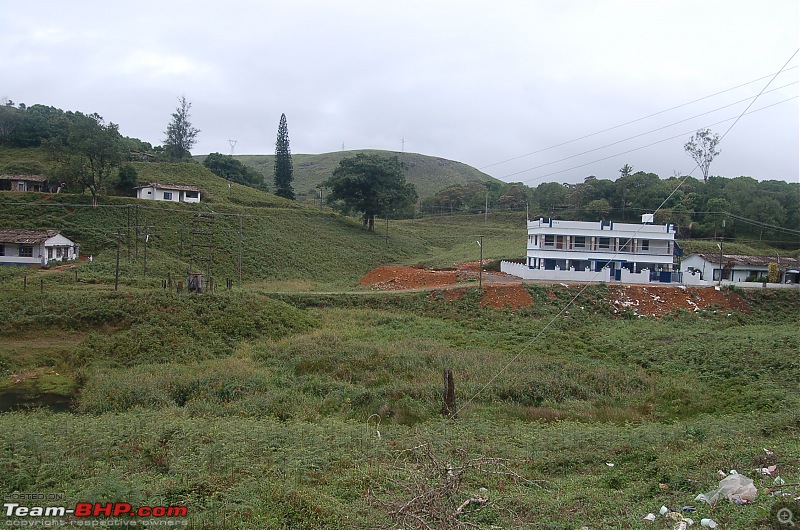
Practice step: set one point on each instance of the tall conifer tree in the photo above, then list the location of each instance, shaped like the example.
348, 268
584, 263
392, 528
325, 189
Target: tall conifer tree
283, 162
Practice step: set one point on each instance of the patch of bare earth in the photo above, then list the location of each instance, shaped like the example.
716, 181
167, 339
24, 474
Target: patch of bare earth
648, 300
511, 296
645, 300
390, 278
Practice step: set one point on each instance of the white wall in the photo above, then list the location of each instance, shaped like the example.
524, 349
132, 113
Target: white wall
184, 198
522, 271
643, 277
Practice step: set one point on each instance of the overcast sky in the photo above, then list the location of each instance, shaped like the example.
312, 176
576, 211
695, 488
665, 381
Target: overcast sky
474, 81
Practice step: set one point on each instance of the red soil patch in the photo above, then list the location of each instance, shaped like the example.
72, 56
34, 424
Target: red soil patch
658, 300
388, 278
512, 296
645, 300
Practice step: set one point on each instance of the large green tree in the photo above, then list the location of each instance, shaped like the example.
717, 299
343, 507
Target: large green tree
371, 185
283, 162
93, 150
229, 168
181, 135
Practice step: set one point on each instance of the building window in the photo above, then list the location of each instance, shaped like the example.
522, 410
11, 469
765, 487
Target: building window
58, 252
2, 250
25, 251
625, 245
580, 242
559, 241
167, 195
50, 253
604, 243
645, 244
549, 240
191, 194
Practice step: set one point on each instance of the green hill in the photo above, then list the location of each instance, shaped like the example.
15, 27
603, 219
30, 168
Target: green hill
284, 244
429, 174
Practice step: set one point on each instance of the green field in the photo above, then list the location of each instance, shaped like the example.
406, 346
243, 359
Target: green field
303, 400
263, 410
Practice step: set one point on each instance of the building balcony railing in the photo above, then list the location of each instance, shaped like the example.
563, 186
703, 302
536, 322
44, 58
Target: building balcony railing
649, 251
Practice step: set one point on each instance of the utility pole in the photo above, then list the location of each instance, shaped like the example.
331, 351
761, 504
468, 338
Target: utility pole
128, 238
721, 267
146, 240
240, 252
480, 266
136, 235
486, 209
116, 273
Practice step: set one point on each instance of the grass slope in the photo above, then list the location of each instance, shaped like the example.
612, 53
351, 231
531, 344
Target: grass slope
320, 411
429, 174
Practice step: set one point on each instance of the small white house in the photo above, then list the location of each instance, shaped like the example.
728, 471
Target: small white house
159, 191
597, 251
737, 268
35, 247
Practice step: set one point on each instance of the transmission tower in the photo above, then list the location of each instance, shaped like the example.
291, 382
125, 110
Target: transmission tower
233, 145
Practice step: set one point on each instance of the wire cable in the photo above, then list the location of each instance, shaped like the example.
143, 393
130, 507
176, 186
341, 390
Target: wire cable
633, 121
569, 304
630, 150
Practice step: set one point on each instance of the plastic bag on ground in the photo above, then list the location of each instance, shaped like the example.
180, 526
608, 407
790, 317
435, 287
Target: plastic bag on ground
736, 488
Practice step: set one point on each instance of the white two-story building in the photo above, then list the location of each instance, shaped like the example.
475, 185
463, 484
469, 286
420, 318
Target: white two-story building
597, 251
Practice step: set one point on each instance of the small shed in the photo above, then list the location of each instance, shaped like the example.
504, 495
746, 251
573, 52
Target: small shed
23, 183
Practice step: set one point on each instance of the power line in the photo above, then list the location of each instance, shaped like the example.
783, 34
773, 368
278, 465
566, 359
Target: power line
531, 341
757, 96
635, 121
762, 224
630, 150
657, 129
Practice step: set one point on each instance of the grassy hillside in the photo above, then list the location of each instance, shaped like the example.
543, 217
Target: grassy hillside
428, 174
283, 243
314, 411
317, 249
214, 189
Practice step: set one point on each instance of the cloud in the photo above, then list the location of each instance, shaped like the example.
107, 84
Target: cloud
472, 81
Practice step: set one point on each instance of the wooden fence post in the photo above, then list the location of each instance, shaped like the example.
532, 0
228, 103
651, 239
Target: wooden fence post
449, 405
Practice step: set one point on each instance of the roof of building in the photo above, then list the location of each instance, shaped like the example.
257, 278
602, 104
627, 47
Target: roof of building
29, 178
168, 186
755, 261
25, 237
